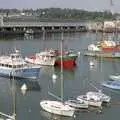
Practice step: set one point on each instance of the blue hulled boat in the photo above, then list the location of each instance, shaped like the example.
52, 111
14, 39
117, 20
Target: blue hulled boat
112, 84
15, 65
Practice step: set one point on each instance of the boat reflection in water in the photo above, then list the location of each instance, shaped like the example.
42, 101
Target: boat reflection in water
31, 85
69, 74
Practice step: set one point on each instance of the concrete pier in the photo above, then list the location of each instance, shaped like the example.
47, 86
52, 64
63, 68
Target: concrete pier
24, 25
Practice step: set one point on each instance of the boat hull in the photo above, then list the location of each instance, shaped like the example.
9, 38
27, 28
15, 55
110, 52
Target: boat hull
39, 61
114, 77
57, 107
68, 61
25, 72
102, 54
105, 98
112, 84
90, 102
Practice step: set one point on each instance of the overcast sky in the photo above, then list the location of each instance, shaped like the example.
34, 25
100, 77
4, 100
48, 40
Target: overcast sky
92, 5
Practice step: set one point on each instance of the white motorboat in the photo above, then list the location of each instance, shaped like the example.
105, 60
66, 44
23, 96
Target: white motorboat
76, 104
15, 65
90, 101
99, 94
46, 57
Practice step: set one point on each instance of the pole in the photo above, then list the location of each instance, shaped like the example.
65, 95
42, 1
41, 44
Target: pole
61, 48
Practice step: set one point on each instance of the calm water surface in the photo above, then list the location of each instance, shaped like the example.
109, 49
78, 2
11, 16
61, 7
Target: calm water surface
77, 81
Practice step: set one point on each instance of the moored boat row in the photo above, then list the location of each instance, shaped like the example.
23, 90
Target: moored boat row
53, 58
29, 67
105, 48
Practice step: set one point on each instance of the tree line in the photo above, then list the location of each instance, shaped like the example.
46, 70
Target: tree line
63, 14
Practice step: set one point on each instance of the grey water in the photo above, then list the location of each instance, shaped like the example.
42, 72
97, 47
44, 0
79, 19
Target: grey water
77, 81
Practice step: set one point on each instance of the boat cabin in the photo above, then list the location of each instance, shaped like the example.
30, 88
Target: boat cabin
15, 60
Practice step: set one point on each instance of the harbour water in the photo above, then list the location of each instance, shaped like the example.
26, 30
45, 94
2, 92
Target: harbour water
77, 81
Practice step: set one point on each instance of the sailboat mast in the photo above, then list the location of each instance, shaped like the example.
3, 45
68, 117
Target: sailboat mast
14, 97
61, 48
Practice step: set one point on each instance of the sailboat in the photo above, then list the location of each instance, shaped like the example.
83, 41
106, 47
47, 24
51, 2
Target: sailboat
58, 106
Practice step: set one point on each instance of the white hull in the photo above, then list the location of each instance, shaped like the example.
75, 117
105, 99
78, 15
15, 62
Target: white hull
115, 77
90, 102
100, 95
57, 107
15, 65
39, 61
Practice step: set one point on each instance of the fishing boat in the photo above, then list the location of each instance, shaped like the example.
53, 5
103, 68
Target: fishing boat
58, 106
105, 48
96, 101
115, 77
46, 57
69, 59
76, 104
112, 84
52, 57
15, 65
105, 98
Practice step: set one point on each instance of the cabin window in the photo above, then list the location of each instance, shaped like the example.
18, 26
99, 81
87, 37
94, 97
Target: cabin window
2, 64
6, 65
14, 66
12, 56
10, 66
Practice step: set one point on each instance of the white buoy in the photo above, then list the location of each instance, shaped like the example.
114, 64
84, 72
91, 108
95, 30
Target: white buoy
24, 87
79, 53
54, 77
91, 63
